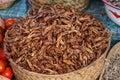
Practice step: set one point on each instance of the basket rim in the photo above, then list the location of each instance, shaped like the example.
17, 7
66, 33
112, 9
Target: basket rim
64, 74
7, 2
39, 4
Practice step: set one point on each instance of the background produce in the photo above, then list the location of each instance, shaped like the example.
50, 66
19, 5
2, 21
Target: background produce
5, 69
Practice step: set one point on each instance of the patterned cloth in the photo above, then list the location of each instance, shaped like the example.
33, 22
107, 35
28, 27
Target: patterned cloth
18, 9
97, 8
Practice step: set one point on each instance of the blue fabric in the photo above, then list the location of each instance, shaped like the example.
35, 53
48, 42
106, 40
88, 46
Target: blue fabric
97, 8
18, 9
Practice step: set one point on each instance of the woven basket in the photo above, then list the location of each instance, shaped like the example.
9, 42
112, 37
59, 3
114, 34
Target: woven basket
91, 72
115, 50
81, 5
5, 5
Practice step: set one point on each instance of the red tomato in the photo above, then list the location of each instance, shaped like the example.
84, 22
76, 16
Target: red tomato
2, 66
1, 38
9, 22
8, 73
2, 55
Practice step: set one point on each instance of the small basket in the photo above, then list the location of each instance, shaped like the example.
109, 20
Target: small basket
81, 5
90, 72
5, 5
115, 50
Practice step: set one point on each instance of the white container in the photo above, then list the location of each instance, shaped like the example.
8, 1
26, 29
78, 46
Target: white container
113, 12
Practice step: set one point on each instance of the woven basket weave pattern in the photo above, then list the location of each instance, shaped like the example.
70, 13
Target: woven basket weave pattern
81, 5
